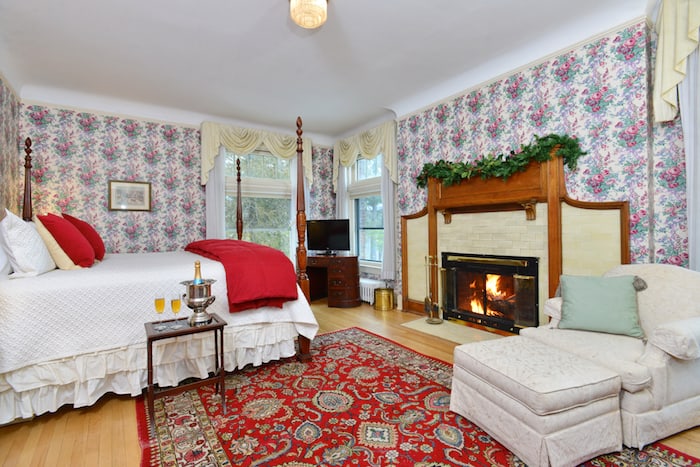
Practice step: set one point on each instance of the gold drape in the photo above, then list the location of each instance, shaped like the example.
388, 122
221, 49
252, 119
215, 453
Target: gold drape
677, 28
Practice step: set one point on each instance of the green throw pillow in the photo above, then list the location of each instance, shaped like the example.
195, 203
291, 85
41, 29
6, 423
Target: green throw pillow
601, 304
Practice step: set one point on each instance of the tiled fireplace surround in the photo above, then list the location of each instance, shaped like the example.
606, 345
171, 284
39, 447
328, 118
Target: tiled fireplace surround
513, 218
499, 233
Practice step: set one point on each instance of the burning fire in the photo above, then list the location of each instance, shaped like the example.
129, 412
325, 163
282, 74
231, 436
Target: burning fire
493, 292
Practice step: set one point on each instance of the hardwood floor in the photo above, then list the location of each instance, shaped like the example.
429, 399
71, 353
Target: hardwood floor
105, 434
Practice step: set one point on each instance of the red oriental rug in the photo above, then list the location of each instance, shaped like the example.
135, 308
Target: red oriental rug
363, 400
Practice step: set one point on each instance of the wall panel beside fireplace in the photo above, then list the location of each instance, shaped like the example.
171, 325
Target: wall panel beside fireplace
594, 239
414, 246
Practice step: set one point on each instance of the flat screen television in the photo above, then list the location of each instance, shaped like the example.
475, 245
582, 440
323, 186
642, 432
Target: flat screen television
328, 235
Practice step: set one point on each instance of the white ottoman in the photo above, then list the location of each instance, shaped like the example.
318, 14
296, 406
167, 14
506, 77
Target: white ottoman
547, 406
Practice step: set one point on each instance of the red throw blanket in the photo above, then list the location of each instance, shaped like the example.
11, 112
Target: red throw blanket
256, 275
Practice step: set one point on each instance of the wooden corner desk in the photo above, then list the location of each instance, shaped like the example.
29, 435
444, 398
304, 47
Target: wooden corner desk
335, 277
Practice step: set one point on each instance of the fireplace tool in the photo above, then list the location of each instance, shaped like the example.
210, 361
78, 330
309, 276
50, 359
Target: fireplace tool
431, 308
198, 298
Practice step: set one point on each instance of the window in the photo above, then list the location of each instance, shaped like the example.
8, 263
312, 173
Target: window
369, 228
266, 190
367, 210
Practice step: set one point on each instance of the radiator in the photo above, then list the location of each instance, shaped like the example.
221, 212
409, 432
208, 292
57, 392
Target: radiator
367, 287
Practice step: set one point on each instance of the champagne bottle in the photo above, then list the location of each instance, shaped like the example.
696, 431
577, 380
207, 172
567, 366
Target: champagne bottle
197, 273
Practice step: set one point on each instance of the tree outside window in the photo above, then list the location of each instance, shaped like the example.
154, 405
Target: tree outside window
369, 213
266, 199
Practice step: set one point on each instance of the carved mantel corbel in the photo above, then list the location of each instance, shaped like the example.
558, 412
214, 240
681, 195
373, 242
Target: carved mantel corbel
530, 209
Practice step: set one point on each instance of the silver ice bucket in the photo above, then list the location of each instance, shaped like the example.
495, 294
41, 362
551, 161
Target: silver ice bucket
198, 298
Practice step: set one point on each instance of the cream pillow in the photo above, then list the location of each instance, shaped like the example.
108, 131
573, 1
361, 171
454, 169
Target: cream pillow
59, 256
24, 247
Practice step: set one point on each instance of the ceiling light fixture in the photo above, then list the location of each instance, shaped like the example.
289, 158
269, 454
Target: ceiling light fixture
309, 14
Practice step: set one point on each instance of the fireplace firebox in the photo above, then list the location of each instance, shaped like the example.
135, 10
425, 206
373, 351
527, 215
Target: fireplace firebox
495, 291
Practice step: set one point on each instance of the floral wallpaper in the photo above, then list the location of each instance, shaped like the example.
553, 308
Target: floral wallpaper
321, 201
10, 196
77, 153
598, 93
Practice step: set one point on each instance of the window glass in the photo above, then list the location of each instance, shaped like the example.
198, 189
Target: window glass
266, 199
366, 207
259, 165
368, 168
369, 221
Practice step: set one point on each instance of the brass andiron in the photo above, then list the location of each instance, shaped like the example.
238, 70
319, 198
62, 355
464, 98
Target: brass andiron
432, 310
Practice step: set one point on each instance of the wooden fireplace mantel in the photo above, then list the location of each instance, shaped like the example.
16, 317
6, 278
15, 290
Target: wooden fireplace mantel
539, 183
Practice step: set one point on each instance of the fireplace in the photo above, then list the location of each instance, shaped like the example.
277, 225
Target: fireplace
495, 291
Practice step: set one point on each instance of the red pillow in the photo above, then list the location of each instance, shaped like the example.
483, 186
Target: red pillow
90, 233
69, 238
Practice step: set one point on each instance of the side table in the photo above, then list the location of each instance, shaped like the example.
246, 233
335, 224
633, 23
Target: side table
217, 325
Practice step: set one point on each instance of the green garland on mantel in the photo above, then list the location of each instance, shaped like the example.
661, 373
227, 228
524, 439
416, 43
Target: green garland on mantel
501, 166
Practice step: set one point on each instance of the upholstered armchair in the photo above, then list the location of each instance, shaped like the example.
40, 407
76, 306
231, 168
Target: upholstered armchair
650, 337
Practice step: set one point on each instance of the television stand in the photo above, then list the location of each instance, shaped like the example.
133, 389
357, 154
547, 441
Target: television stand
328, 253
335, 277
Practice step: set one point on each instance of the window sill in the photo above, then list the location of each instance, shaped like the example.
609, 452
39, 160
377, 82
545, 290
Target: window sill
371, 267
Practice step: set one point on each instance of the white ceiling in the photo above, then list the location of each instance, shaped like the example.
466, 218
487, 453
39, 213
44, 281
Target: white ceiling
246, 61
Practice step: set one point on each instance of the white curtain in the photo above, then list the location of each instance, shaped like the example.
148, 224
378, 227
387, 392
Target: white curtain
690, 118
215, 198
293, 211
389, 259
368, 144
676, 80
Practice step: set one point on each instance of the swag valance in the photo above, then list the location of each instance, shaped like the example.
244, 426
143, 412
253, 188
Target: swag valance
243, 141
369, 144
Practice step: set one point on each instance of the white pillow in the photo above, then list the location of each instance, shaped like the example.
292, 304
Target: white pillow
25, 249
679, 338
5, 267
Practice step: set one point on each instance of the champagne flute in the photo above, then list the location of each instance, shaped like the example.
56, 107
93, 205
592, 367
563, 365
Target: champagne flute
159, 303
175, 304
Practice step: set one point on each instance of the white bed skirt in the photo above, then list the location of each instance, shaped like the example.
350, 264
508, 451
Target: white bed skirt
83, 379
69, 337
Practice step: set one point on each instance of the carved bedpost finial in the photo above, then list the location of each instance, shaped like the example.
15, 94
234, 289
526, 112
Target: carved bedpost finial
27, 201
300, 147
239, 201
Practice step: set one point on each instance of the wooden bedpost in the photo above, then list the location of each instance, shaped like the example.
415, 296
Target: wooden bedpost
302, 277
27, 201
239, 202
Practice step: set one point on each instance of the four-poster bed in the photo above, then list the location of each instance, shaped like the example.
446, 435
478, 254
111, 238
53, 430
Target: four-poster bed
71, 336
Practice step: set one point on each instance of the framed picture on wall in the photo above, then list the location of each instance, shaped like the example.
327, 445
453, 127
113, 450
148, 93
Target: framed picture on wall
129, 196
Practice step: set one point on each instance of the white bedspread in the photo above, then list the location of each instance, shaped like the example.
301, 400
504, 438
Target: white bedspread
71, 336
